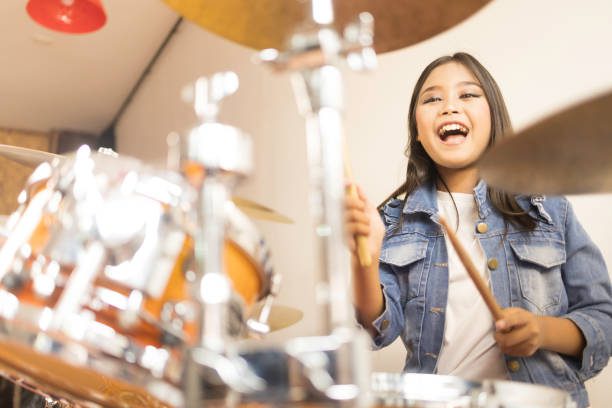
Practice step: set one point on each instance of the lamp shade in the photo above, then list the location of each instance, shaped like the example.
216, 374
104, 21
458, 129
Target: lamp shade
68, 16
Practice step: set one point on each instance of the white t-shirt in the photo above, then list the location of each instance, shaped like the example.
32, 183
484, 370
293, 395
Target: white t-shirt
469, 349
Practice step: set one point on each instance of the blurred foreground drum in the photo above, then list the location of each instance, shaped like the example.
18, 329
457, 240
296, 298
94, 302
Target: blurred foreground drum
509, 394
95, 272
438, 391
422, 391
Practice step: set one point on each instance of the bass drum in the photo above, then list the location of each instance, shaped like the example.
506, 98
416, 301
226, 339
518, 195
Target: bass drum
95, 279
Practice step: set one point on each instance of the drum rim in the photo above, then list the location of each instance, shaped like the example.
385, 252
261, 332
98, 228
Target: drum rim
493, 386
393, 392
391, 388
23, 329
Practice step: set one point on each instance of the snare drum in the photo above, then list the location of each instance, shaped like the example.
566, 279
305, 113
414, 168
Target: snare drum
95, 276
509, 394
438, 391
422, 391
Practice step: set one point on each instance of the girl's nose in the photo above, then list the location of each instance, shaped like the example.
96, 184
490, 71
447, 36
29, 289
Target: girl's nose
449, 107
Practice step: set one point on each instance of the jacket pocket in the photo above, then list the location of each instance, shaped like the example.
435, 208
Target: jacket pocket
405, 254
538, 267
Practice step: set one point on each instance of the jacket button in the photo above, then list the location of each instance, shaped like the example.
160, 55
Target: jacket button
493, 263
514, 365
482, 227
384, 324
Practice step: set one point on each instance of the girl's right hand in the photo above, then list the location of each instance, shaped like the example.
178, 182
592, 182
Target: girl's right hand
362, 218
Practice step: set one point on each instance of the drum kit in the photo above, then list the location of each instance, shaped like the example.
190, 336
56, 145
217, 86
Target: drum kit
126, 285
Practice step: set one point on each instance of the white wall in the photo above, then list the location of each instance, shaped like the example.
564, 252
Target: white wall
543, 54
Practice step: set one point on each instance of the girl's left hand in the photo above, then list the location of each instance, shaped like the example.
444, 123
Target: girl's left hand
519, 332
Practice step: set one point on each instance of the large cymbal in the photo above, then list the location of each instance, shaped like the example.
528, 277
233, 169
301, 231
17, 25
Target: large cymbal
27, 157
263, 24
567, 153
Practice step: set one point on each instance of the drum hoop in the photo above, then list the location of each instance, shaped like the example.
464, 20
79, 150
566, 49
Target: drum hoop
553, 395
23, 329
391, 388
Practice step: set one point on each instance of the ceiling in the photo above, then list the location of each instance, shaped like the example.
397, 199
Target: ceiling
56, 81
51, 80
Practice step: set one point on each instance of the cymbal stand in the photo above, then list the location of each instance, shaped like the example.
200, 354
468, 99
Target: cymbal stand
224, 154
332, 363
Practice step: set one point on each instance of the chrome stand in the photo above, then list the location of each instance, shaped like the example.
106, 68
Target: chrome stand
329, 368
223, 153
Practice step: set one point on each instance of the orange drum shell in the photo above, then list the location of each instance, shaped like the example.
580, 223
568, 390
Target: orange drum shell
245, 275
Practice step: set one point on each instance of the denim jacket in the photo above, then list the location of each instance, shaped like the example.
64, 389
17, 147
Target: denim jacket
553, 270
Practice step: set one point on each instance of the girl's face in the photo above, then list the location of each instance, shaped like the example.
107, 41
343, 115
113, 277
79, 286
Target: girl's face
453, 117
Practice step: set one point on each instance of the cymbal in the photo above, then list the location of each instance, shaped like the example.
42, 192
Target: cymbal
27, 157
567, 153
258, 211
280, 316
270, 23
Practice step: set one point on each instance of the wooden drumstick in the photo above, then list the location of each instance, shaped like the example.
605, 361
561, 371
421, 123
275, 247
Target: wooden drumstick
363, 252
482, 287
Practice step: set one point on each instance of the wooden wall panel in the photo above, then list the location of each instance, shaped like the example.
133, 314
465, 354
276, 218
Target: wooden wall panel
14, 175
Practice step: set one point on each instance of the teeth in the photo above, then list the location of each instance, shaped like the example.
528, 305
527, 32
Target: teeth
451, 127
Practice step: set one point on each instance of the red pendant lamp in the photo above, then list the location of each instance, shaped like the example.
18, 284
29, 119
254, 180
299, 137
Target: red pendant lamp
68, 16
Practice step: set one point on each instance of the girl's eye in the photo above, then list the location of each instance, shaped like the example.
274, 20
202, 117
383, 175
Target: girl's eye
469, 95
432, 99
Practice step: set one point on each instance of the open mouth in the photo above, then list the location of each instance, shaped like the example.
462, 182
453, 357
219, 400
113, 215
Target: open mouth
453, 133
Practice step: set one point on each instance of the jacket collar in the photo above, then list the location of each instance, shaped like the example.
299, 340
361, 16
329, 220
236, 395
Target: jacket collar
423, 199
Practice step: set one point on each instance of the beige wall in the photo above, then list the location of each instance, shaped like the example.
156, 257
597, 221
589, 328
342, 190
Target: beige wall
544, 55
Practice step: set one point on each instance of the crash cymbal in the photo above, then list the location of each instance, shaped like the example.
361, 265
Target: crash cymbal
280, 316
27, 157
258, 211
567, 153
269, 23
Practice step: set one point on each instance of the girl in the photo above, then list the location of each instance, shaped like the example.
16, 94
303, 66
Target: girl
543, 269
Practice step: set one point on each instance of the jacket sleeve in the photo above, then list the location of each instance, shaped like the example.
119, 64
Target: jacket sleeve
390, 323
587, 285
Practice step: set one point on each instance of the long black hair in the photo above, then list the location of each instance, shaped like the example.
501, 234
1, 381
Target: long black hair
422, 169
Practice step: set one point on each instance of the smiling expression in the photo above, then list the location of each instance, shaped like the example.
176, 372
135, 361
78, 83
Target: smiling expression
453, 117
